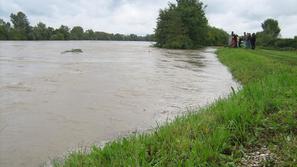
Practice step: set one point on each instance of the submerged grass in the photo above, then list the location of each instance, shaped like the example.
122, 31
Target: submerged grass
263, 113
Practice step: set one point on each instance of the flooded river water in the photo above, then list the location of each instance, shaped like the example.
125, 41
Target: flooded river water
51, 101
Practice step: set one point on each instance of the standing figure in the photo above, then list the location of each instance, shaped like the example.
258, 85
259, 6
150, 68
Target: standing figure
230, 39
239, 41
253, 41
234, 41
244, 39
248, 40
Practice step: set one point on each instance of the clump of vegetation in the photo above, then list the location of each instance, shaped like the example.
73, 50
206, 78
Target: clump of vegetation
216, 37
73, 51
261, 116
184, 26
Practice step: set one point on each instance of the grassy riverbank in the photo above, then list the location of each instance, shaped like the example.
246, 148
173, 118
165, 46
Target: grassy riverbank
259, 119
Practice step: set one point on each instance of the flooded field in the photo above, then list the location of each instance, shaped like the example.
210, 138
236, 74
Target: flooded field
52, 101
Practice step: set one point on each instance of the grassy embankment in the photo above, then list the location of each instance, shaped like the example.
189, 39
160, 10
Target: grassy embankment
262, 114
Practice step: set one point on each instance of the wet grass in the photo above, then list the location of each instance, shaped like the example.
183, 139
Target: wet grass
262, 113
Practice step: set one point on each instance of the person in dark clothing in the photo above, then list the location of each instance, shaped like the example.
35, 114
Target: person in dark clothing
230, 39
244, 38
248, 41
253, 41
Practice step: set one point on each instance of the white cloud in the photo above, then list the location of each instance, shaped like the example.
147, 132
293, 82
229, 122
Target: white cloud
139, 16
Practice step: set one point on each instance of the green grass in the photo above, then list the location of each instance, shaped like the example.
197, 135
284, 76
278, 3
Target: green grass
263, 113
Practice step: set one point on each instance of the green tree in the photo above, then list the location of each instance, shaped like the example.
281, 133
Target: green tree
118, 37
102, 36
270, 33
22, 29
65, 31
57, 36
51, 31
89, 35
133, 37
170, 31
182, 25
5, 30
217, 37
285, 43
149, 37
77, 33
41, 32
270, 26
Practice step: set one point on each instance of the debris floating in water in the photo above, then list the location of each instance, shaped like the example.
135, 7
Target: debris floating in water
73, 51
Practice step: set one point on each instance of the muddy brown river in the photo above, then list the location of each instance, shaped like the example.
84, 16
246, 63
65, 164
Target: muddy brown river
51, 102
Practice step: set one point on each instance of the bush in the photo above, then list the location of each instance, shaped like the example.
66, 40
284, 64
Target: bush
286, 43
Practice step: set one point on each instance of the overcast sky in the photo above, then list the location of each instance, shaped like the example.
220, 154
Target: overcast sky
139, 16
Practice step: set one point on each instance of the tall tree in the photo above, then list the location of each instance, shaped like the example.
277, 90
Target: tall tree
21, 25
182, 25
270, 27
270, 33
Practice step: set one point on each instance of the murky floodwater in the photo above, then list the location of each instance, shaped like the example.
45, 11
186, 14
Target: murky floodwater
51, 102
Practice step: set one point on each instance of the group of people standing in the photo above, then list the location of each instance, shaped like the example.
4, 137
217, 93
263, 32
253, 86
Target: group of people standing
248, 40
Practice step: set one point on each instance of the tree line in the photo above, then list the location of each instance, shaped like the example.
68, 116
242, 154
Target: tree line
20, 29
